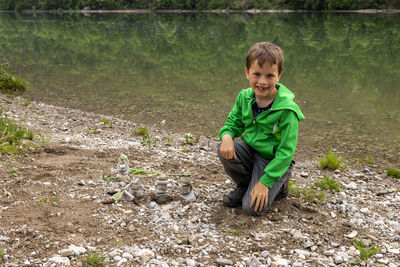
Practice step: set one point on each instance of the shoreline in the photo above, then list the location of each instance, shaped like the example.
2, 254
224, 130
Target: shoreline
223, 11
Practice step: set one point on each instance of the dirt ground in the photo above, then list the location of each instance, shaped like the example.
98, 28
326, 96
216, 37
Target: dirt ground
51, 197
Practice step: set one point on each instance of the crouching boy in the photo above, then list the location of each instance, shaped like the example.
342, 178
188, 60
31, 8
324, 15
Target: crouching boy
261, 165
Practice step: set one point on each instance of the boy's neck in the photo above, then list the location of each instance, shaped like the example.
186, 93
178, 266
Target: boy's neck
263, 102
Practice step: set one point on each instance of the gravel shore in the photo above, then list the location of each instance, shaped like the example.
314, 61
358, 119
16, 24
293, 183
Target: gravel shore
52, 209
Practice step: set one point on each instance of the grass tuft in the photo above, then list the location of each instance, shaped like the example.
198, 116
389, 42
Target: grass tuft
13, 137
2, 253
331, 161
308, 194
393, 173
9, 83
232, 231
94, 259
327, 183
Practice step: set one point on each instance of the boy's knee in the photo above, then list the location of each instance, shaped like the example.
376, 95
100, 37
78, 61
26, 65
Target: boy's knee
250, 211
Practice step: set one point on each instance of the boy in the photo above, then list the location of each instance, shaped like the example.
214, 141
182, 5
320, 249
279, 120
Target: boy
261, 165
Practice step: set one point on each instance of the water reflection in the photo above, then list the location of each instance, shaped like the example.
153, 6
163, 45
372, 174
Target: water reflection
188, 68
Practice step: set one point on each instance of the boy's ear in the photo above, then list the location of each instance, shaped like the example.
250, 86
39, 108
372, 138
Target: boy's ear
247, 72
279, 76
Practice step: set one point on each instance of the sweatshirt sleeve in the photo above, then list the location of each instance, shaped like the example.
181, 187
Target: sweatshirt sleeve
234, 125
285, 151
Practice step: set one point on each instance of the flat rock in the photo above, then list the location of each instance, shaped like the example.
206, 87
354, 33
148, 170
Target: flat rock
223, 262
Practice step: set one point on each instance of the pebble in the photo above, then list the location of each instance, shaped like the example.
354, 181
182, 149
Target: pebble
329, 252
60, 260
304, 174
302, 252
223, 262
308, 244
190, 262
338, 259
127, 256
352, 186
352, 235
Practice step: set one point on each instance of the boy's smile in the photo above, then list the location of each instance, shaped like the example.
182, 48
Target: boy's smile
262, 80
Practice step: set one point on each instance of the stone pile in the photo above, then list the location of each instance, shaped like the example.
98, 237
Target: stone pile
123, 168
161, 195
187, 189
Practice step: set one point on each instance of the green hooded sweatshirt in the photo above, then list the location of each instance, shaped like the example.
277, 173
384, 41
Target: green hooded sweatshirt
273, 133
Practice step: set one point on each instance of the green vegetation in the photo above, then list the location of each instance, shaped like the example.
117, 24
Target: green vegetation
232, 231
143, 172
2, 253
365, 252
13, 138
190, 139
327, 183
197, 4
9, 83
169, 140
26, 103
92, 130
93, 259
308, 194
367, 160
331, 161
107, 122
109, 178
393, 173
14, 171
48, 199
184, 149
143, 131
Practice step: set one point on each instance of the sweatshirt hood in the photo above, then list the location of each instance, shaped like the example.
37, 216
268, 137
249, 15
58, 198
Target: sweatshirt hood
283, 100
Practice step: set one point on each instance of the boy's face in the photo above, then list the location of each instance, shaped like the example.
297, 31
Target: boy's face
263, 79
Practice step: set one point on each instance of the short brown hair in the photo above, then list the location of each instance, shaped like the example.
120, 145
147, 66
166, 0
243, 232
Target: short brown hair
265, 52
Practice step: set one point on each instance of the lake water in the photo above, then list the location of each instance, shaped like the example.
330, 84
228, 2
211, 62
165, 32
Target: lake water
188, 68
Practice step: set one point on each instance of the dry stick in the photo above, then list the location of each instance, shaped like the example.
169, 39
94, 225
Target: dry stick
3, 132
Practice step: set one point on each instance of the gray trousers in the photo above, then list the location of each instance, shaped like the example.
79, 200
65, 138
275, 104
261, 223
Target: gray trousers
247, 170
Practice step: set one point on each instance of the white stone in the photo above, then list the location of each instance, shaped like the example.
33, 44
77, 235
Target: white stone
352, 185
60, 260
302, 252
224, 262
144, 254
329, 252
364, 210
66, 252
394, 251
338, 259
77, 250
127, 256
352, 235
190, 262
304, 174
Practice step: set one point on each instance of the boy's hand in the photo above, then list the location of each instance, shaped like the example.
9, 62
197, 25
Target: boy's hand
259, 195
227, 147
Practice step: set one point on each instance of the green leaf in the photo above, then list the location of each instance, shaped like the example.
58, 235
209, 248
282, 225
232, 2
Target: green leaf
117, 196
141, 171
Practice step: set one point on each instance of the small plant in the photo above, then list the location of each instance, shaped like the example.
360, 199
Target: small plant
143, 131
26, 103
92, 130
143, 172
9, 83
316, 144
331, 161
365, 252
393, 173
109, 178
308, 194
93, 259
327, 183
214, 135
2, 253
47, 199
184, 149
169, 140
12, 136
232, 231
14, 171
190, 139
107, 122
